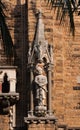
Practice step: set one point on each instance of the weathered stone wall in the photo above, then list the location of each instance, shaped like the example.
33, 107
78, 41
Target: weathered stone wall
66, 70
10, 6
41, 127
65, 99
4, 122
16, 20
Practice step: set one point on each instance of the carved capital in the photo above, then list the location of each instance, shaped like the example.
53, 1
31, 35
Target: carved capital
49, 66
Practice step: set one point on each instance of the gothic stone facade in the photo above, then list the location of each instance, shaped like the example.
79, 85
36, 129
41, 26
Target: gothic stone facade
65, 88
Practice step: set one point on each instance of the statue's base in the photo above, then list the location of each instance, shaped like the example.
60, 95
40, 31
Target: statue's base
40, 120
40, 111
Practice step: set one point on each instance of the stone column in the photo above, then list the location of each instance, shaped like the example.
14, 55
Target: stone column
11, 118
49, 87
31, 90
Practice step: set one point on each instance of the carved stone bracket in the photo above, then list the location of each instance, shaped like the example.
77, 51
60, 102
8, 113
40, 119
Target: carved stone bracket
7, 100
41, 120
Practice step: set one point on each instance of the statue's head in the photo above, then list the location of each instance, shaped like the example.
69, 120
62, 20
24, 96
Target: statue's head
39, 70
40, 60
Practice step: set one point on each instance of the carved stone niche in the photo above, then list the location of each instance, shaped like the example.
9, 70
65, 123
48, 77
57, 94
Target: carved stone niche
40, 62
8, 94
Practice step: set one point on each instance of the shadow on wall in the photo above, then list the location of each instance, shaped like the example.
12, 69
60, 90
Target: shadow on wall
21, 47
21, 128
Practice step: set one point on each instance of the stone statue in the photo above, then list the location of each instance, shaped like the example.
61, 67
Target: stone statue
41, 86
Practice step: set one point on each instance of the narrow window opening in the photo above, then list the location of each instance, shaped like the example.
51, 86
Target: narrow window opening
5, 84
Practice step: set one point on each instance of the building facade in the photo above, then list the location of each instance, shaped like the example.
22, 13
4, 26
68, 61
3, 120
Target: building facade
63, 98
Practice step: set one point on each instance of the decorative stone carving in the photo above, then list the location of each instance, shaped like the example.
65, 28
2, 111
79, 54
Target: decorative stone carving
41, 89
41, 50
39, 55
40, 59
